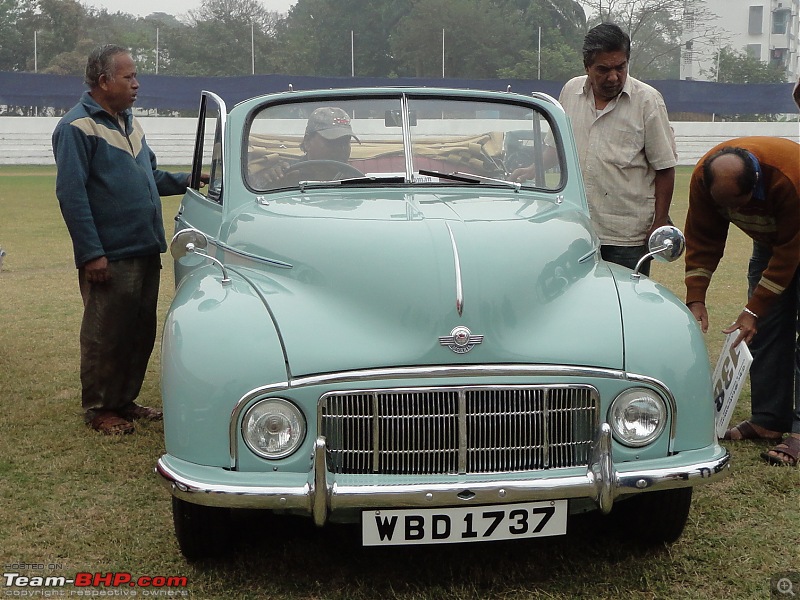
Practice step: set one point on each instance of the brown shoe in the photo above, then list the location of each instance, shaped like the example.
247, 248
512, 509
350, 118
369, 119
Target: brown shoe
110, 423
135, 411
746, 431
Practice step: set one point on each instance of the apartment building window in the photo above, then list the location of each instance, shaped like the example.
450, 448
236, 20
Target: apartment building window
780, 22
755, 24
688, 20
688, 53
753, 51
777, 57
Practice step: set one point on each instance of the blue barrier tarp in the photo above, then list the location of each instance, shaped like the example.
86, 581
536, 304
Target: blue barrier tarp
182, 93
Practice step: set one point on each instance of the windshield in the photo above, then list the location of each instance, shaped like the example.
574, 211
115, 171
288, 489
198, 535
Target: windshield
401, 140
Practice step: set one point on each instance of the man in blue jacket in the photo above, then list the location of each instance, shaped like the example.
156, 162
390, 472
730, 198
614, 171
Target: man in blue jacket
108, 186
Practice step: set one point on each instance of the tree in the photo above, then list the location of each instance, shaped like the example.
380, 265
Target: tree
62, 25
559, 63
315, 39
740, 67
480, 37
15, 50
223, 38
655, 28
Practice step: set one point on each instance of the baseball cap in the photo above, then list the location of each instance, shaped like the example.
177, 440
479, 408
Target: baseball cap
330, 122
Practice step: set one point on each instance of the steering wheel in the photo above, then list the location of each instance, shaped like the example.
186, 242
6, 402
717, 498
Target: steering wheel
336, 169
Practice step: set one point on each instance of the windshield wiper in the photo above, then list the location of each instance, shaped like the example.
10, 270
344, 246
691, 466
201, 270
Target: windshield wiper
453, 176
471, 178
373, 179
352, 181
512, 184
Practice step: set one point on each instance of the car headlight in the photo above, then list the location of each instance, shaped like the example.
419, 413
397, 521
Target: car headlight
273, 428
638, 416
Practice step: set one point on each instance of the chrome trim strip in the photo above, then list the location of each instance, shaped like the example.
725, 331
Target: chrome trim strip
376, 454
673, 403
236, 414
459, 285
463, 443
407, 137
269, 261
434, 371
547, 98
226, 248
601, 482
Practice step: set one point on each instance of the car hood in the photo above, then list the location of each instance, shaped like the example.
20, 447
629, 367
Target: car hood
358, 281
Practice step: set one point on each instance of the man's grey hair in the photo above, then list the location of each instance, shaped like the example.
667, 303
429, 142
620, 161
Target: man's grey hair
606, 37
102, 61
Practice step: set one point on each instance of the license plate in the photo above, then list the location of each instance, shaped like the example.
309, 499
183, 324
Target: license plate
463, 524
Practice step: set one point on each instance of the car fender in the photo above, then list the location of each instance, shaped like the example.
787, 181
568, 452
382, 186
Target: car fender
219, 343
662, 341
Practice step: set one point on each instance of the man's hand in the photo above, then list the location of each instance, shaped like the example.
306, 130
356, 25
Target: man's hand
656, 224
746, 324
96, 270
523, 174
275, 172
700, 313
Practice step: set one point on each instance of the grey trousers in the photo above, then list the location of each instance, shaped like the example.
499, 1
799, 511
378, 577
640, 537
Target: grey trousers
775, 372
118, 332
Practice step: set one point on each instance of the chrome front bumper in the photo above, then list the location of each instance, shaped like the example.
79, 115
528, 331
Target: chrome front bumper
317, 496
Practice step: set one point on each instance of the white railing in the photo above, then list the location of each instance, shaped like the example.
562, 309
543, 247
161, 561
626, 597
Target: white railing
26, 140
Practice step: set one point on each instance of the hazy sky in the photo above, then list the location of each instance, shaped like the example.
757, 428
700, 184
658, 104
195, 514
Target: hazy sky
143, 8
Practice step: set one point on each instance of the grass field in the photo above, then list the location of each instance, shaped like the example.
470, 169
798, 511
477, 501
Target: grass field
74, 501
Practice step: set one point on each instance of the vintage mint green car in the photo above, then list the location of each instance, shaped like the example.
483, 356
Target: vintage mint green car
376, 323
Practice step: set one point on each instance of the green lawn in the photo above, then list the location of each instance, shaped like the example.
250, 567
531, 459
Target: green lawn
74, 501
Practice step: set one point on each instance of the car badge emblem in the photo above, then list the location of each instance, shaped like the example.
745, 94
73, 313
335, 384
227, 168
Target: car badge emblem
460, 340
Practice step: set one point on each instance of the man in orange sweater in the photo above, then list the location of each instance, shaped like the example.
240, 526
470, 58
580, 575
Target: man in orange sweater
754, 183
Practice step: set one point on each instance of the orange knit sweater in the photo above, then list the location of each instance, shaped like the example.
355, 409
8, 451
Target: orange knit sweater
774, 221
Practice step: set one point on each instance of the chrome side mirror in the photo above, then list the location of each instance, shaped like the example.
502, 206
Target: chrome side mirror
666, 244
192, 242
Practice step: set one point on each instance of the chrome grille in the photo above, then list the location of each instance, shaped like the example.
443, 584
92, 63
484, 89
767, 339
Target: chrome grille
428, 431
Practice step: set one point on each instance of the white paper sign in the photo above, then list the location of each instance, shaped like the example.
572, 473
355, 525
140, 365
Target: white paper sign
729, 376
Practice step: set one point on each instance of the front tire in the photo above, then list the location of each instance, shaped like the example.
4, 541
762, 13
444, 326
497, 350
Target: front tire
653, 518
202, 531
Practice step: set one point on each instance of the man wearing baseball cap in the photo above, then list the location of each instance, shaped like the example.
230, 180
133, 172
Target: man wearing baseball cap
326, 150
328, 135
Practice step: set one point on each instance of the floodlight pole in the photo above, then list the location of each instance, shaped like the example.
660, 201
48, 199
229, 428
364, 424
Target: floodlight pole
442, 53
252, 48
352, 55
539, 68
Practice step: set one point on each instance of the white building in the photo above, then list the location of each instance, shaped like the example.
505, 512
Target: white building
765, 29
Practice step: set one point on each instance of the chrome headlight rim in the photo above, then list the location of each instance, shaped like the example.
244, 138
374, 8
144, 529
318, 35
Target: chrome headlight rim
647, 399
273, 406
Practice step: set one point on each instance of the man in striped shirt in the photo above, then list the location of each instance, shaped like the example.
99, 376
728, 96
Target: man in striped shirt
754, 183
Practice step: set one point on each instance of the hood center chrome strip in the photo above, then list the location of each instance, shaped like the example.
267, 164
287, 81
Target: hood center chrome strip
459, 287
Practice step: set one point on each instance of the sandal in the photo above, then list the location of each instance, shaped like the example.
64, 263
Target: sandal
748, 432
136, 411
790, 446
110, 423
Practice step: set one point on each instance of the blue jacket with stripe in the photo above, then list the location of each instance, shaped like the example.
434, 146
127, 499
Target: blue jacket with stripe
108, 184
